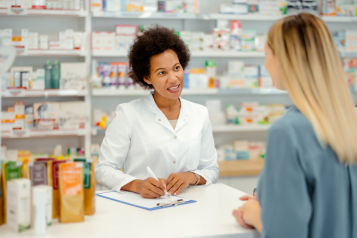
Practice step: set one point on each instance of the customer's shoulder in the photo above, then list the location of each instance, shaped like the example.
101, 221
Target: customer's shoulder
292, 121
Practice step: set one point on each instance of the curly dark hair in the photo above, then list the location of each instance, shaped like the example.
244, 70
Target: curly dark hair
154, 41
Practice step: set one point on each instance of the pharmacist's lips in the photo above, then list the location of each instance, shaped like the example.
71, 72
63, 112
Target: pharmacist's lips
174, 87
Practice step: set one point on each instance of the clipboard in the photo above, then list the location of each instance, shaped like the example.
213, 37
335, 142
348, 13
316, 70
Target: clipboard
135, 200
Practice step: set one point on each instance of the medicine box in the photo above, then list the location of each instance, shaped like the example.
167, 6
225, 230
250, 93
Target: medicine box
18, 205
47, 115
97, 41
73, 76
73, 115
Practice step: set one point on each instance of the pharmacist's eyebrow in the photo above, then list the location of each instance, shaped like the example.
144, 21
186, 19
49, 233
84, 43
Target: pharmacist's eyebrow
158, 69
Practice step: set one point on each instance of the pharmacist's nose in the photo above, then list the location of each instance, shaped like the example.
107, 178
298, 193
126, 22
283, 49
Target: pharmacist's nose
172, 77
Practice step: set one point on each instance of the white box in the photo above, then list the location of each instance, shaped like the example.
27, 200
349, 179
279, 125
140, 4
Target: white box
96, 5
46, 115
97, 41
42, 207
10, 3
6, 37
44, 42
55, 45
73, 115
108, 40
2, 5
112, 6
38, 80
73, 76
32, 40
24, 36
120, 43
129, 41
18, 208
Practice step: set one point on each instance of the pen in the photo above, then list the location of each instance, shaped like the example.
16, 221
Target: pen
154, 176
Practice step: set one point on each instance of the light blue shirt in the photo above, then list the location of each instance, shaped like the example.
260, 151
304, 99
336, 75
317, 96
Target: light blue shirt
304, 191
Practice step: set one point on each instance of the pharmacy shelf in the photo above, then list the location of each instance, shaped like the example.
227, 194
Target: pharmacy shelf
237, 91
42, 12
251, 167
51, 53
348, 54
236, 54
339, 19
117, 92
145, 15
41, 133
215, 129
16, 93
247, 128
243, 91
252, 17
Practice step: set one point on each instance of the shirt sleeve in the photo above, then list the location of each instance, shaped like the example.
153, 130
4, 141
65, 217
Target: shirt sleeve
114, 150
282, 189
208, 166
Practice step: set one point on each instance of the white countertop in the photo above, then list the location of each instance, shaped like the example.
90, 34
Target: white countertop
210, 216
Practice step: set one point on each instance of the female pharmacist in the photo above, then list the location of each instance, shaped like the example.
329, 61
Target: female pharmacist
162, 131
308, 187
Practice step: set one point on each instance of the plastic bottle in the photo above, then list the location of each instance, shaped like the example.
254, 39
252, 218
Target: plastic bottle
56, 75
48, 74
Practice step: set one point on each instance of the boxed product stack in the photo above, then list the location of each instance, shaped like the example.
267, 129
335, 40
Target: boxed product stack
345, 41
56, 4
110, 75
338, 8
263, 7
67, 40
350, 70
44, 116
251, 113
125, 36
102, 119
168, 6
241, 150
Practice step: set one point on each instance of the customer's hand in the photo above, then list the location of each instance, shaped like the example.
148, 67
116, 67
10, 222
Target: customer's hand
151, 188
238, 214
250, 212
178, 181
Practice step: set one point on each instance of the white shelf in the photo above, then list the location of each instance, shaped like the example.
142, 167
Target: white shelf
16, 93
127, 92
44, 12
248, 128
41, 133
216, 129
145, 15
249, 17
51, 52
339, 19
238, 54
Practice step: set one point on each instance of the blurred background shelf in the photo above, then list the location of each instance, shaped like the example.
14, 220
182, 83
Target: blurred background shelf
45, 12
52, 53
145, 15
251, 167
41, 133
16, 93
247, 128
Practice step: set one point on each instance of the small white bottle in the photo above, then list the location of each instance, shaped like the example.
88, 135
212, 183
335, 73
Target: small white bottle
39, 208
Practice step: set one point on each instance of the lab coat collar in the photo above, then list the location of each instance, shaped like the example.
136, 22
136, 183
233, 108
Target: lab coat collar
161, 118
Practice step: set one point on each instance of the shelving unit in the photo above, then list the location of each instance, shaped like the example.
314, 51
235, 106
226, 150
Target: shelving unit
107, 98
19, 93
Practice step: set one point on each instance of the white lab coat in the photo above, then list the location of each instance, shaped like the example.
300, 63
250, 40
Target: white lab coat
141, 136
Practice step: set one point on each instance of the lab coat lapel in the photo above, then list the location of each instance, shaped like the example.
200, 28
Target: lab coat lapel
183, 118
160, 117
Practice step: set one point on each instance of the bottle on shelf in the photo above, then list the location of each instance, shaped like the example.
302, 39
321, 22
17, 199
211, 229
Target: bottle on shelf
56, 75
48, 74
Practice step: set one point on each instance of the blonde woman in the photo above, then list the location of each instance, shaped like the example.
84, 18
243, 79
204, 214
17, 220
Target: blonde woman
308, 187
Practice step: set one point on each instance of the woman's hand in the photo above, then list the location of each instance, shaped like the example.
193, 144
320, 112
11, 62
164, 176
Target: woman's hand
151, 188
249, 214
178, 181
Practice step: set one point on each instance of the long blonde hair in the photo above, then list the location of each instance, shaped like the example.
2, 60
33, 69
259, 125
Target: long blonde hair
313, 75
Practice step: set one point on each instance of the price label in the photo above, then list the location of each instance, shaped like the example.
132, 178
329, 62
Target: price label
15, 93
19, 134
17, 10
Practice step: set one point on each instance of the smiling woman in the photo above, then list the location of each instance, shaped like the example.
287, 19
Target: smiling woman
170, 135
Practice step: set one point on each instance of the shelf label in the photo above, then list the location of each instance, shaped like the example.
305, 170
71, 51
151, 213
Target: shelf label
17, 10
16, 93
19, 134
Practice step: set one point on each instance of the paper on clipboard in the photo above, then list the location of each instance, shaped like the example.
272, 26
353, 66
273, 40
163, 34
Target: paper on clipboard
137, 200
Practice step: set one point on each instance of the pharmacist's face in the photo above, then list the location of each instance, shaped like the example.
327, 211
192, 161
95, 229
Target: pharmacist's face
272, 65
166, 74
